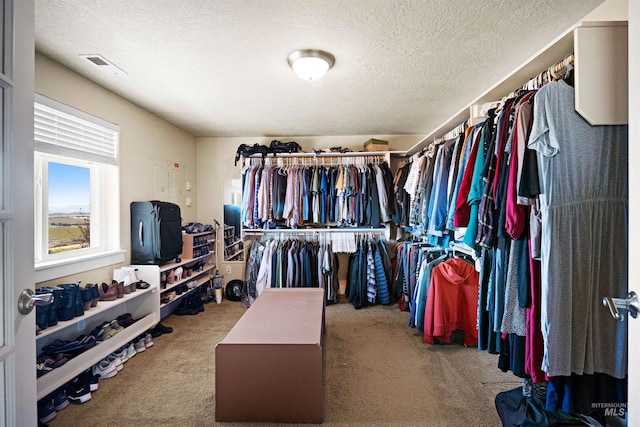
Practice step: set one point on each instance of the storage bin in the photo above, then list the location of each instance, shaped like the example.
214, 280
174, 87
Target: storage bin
376, 145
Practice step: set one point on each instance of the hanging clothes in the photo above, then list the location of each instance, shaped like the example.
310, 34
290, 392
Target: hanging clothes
584, 206
452, 304
346, 195
368, 274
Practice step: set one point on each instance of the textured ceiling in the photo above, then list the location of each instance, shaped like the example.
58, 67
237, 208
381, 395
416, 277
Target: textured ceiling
219, 67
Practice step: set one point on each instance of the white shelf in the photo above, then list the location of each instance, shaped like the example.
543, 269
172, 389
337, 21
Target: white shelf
206, 269
151, 274
65, 373
171, 266
91, 313
143, 305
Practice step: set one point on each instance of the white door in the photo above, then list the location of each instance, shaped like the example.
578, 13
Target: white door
17, 331
634, 208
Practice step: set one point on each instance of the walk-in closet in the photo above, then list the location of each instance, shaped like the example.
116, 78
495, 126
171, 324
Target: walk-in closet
323, 212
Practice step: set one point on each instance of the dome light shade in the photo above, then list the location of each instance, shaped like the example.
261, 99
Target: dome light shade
311, 64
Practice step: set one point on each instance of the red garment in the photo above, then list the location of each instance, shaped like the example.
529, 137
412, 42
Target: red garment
463, 209
515, 214
452, 302
534, 343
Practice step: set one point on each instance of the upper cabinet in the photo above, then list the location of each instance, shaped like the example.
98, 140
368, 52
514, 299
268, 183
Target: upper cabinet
601, 72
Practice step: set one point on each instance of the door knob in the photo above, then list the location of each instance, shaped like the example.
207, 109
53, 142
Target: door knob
631, 304
27, 300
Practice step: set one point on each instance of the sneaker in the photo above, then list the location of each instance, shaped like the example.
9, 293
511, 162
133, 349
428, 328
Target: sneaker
103, 332
104, 369
88, 377
78, 392
121, 353
148, 341
139, 345
60, 400
131, 351
116, 361
116, 328
46, 410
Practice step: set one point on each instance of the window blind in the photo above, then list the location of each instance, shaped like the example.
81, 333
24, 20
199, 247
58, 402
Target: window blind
63, 130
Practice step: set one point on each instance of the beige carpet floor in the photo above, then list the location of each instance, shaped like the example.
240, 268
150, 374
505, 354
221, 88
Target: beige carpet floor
377, 372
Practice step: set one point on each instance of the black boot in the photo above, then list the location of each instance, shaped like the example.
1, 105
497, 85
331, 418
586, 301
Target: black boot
56, 304
42, 312
66, 309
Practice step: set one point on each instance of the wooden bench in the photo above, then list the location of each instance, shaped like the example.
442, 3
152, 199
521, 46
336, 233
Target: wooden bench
269, 366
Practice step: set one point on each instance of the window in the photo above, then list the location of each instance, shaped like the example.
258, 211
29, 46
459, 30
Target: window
77, 220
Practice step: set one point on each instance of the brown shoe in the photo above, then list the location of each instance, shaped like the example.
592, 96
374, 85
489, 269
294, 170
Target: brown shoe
107, 292
120, 288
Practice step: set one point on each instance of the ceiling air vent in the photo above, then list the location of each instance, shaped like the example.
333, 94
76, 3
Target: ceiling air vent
103, 63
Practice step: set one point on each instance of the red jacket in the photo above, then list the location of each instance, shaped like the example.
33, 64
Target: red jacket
452, 302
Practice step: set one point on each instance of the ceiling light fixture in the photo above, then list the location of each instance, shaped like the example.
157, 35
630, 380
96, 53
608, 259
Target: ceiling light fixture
311, 64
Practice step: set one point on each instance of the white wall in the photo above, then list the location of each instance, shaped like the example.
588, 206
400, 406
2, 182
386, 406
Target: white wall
215, 163
146, 142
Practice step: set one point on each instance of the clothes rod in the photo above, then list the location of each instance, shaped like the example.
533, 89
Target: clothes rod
314, 230
312, 155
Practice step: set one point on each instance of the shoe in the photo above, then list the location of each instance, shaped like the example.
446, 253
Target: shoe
95, 294
55, 305
78, 392
104, 369
88, 377
178, 272
131, 351
121, 353
148, 341
66, 307
73, 298
42, 312
60, 400
142, 285
163, 329
139, 345
46, 410
117, 362
78, 345
115, 326
87, 298
108, 292
154, 332
103, 332
126, 320
119, 287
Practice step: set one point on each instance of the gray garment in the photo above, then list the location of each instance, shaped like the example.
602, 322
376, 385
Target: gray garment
249, 290
514, 318
535, 229
584, 207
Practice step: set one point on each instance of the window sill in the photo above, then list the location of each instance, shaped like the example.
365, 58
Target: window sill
52, 270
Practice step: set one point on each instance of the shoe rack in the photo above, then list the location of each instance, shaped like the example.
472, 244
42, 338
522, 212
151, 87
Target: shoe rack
197, 249
143, 304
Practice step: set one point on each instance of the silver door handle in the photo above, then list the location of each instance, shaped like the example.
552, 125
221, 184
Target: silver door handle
27, 300
631, 304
